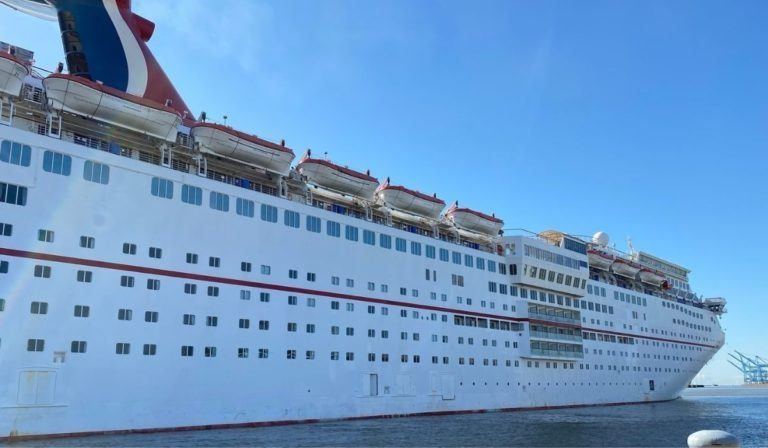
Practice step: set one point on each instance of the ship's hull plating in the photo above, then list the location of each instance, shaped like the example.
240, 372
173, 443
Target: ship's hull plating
433, 365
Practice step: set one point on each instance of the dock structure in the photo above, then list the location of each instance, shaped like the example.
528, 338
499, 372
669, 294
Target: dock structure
755, 369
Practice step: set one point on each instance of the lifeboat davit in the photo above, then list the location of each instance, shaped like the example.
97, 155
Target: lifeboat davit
93, 100
652, 277
473, 220
410, 201
327, 174
233, 144
12, 74
599, 259
625, 268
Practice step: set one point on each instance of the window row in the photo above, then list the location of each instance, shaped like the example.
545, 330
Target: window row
164, 188
124, 348
551, 276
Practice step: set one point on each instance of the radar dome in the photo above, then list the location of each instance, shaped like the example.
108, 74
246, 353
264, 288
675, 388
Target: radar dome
600, 238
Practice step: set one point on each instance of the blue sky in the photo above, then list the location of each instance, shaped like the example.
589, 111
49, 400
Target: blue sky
644, 119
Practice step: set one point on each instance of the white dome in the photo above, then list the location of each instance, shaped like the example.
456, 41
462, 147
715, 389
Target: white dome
600, 238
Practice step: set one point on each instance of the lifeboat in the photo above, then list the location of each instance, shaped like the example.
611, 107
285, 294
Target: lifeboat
473, 220
93, 100
652, 277
12, 74
625, 268
599, 259
715, 304
410, 201
326, 174
233, 144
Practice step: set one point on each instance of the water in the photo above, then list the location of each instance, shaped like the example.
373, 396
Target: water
740, 411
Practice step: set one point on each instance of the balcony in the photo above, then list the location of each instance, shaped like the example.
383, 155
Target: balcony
555, 336
538, 352
552, 318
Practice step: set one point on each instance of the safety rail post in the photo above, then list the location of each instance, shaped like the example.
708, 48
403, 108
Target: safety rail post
53, 124
3, 120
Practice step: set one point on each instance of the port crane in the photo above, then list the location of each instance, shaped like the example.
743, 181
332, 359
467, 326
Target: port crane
755, 369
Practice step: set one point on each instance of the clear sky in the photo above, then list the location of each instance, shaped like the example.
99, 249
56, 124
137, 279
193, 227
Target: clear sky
644, 119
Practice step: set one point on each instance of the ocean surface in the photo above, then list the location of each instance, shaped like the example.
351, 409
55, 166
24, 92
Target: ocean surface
741, 411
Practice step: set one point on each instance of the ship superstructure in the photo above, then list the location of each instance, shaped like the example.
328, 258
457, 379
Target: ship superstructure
158, 272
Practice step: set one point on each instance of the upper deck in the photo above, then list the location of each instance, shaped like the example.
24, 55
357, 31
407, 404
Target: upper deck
550, 260
32, 111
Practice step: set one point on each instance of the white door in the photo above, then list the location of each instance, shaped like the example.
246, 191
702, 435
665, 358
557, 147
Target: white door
373, 385
36, 387
448, 387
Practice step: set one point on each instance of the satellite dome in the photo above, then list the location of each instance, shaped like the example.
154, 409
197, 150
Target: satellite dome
600, 238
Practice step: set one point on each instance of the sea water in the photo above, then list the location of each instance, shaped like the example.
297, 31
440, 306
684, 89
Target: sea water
742, 411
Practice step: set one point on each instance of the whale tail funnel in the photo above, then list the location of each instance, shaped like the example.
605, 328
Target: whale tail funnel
105, 42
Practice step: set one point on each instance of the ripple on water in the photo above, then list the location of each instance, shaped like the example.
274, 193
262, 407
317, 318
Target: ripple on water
657, 424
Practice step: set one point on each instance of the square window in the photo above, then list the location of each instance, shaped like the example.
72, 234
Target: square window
122, 348
35, 345
155, 252
45, 236
87, 242
82, 310
6, 229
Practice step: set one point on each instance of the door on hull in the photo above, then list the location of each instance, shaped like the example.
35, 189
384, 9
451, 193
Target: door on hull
373, 384
448, 388
651, 385
36, 387
434, 383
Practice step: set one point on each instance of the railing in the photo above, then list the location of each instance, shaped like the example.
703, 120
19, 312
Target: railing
352, 213
558, 336
35, 96
690, 299
550, 318
178, 165
556, 353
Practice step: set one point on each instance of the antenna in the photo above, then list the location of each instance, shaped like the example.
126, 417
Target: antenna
631, 248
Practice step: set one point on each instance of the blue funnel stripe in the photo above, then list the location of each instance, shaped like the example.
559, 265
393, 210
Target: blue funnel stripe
105, 57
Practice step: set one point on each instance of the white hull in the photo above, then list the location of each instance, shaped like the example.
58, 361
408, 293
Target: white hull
12, 74
247, 149
411, 203
329, 177
55, 391
80, 98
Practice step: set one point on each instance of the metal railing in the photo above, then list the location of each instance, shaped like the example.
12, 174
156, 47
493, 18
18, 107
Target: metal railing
556, 353
35, 95
557, 336
551, 318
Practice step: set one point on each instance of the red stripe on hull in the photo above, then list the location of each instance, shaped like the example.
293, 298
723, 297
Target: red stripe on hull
284, 288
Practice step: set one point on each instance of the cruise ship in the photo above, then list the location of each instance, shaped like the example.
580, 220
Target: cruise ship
162, 272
